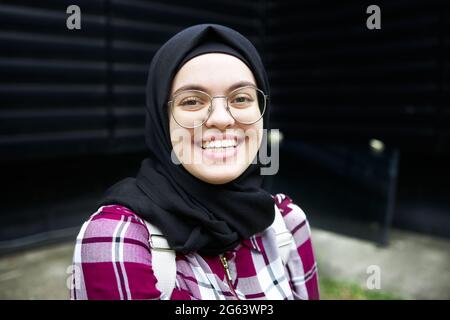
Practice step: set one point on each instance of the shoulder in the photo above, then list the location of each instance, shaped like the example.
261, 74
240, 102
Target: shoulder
112, 257
113, 222
302, 261
287, 206
293, 215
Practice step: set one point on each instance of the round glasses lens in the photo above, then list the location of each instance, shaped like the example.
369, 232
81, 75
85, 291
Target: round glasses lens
247, 105
191, 108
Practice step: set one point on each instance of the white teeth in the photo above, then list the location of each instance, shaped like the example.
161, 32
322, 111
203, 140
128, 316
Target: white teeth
219, 144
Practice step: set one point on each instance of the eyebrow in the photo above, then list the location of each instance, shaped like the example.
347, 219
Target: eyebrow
201, 88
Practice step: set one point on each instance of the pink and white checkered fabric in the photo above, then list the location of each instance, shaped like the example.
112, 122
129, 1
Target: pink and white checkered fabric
112, 260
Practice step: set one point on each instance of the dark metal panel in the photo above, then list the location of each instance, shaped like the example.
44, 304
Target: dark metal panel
331, 77
52, 80
86, 88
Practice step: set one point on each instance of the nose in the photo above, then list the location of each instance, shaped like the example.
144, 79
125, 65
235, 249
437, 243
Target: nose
220, 117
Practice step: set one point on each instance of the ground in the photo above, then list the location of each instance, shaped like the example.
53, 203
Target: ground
412, 267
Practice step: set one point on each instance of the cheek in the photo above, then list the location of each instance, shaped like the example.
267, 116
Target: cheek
181, 139
254, 134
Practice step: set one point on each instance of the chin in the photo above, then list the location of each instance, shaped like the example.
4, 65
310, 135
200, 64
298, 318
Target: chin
218, 174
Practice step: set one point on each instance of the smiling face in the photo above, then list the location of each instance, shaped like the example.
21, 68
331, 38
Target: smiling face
219, 150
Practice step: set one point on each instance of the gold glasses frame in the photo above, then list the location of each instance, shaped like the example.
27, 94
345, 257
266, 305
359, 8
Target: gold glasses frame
210, 108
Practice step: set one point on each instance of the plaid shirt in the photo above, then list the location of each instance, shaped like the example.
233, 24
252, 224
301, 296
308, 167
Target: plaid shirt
112, 260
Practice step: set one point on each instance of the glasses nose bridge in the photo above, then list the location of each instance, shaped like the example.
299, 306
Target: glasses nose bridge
212, 101
212, 107
223, 97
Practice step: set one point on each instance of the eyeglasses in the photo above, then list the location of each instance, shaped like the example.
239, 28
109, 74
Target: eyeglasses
192, 108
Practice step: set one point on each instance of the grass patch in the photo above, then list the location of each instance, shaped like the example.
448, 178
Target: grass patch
331, 289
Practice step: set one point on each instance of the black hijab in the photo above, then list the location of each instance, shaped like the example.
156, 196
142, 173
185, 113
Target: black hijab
192, 214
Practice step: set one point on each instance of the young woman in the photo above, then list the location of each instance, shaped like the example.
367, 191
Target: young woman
207, 109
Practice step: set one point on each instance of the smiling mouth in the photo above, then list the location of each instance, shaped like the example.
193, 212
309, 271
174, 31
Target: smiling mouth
219, 144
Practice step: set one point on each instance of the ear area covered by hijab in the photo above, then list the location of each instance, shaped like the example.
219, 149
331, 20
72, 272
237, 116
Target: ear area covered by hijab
194, 215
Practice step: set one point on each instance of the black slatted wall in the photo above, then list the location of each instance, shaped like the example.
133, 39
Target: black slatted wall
332, 77
53, 83
82, 91
74, 92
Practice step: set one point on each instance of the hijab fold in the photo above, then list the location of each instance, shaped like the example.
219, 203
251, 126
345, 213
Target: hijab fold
192, 214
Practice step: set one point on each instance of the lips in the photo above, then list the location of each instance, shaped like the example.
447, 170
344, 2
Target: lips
219, 141
220, 146
220, 153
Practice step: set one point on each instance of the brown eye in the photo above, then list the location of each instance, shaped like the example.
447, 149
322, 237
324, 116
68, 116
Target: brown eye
190, 102
241, 101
